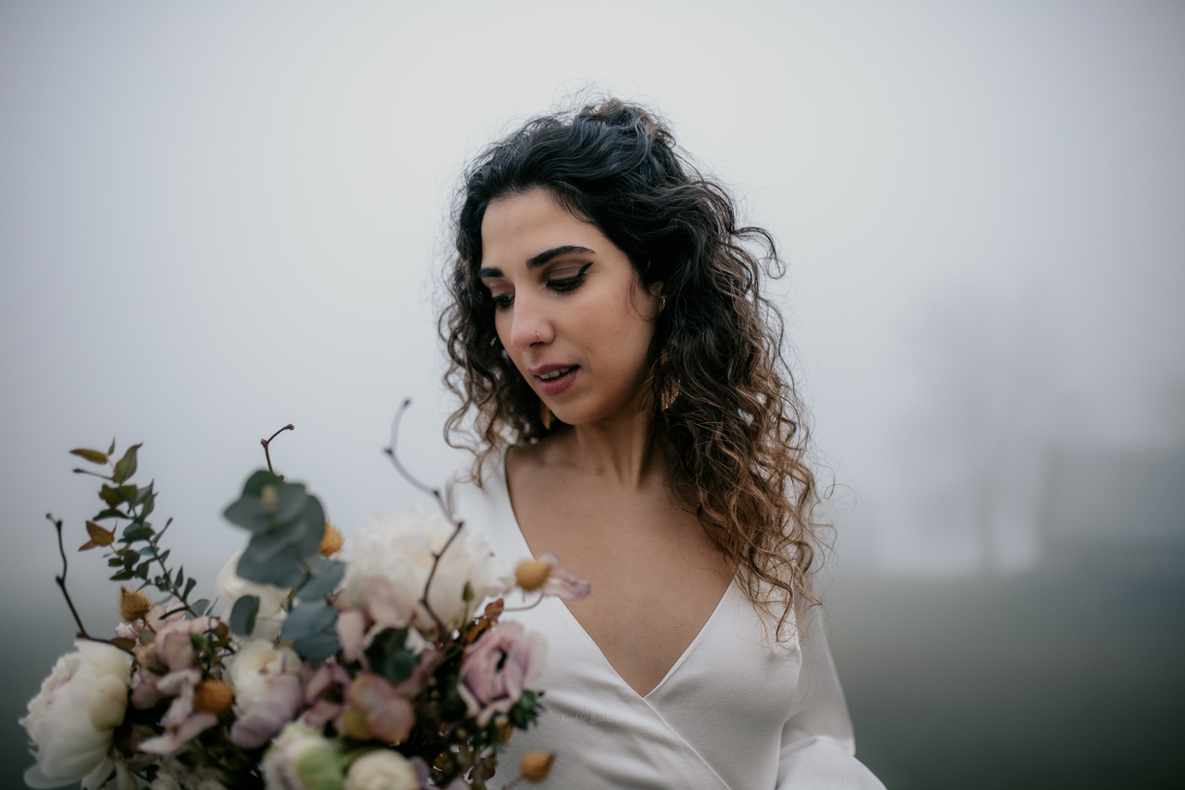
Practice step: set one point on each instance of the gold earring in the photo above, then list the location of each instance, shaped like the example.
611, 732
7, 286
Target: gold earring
545, 415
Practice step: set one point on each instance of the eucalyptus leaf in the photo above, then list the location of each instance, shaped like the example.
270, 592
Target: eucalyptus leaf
309, 619
188, 588
242, 615
280, 569
200, 606
317, 647
327, 574
258, 480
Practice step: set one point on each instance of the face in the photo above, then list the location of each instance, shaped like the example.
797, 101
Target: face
569, 309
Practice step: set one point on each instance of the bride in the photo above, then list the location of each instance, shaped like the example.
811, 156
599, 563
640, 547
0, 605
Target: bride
634, 415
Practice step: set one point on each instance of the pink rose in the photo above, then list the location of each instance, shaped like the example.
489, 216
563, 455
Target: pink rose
497, 669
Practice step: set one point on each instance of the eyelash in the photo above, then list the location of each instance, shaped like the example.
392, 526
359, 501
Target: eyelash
561, 285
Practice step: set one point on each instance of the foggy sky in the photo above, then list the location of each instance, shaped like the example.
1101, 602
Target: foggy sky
216, 219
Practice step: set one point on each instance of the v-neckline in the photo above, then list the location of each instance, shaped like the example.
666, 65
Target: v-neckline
504, 472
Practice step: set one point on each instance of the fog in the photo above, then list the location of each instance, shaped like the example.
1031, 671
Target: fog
216, 219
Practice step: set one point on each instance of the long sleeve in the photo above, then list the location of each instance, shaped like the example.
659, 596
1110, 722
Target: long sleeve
818, 747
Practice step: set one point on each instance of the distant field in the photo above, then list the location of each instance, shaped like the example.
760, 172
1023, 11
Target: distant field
1068, 679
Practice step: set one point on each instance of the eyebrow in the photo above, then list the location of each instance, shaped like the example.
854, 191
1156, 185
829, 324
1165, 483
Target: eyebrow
539, 260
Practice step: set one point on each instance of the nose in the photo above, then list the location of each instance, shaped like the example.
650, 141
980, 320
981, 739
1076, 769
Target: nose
530, 326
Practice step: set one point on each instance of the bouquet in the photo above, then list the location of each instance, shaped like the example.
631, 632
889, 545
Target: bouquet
318, 673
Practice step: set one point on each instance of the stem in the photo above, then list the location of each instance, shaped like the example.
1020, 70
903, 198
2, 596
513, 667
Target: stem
390, 451
532, 605
268, 441
61, 580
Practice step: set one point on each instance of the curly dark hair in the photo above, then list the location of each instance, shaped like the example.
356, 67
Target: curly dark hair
721, 393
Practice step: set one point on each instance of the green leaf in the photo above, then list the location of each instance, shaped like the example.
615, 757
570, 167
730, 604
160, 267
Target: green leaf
126, 466
256, 482
111, 449
242, 615
121, 576
327, 574
115, 562
199, 606
526, 710
188, 588
99, 535
317, 647
117, 496
308, 619
111, 513
94, 456
388, 656
123, 642
136, 531
142, 570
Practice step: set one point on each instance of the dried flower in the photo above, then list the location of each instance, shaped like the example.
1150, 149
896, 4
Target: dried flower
133, 605
537, 765
531, 574
331, 541
212, 696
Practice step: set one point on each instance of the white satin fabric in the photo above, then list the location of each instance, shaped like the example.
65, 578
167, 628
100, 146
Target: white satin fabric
735, 712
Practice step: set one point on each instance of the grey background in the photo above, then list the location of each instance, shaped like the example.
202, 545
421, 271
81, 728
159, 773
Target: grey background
216, 219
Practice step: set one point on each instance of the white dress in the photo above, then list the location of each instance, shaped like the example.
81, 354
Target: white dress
732, 712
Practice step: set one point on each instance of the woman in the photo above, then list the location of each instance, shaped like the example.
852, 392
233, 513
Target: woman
634, 415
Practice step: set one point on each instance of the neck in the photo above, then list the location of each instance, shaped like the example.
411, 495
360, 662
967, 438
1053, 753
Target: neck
620, 446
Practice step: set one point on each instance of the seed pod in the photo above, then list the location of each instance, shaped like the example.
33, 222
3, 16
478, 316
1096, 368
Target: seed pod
531, 574
537, 765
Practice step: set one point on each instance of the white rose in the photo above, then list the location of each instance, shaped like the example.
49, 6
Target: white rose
255, 667
399, 549
302, 759
231, 587
382, 769
72, 721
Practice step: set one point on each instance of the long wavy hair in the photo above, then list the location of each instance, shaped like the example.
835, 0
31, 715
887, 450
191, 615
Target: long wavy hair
719, 388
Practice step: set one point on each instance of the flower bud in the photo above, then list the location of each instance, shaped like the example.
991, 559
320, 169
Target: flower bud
212, 696
537, 765
531, 574
133, 605
504, 729
331, 541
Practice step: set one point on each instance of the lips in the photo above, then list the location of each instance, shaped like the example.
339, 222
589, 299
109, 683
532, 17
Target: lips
554, 379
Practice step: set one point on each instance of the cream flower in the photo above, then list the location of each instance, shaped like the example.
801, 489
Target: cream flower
72, 721
382, 769
256, 667
302, 759
231, 587
399, 549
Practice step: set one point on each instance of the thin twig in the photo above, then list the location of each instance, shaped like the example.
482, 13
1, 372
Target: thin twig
62, 584
61, 580
268, 441
390, 451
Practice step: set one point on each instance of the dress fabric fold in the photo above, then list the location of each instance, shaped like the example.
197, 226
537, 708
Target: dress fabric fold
737, 711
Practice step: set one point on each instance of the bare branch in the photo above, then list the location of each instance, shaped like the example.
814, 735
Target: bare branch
266, 442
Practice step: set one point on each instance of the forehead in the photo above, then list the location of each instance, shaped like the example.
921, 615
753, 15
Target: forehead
517, 227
